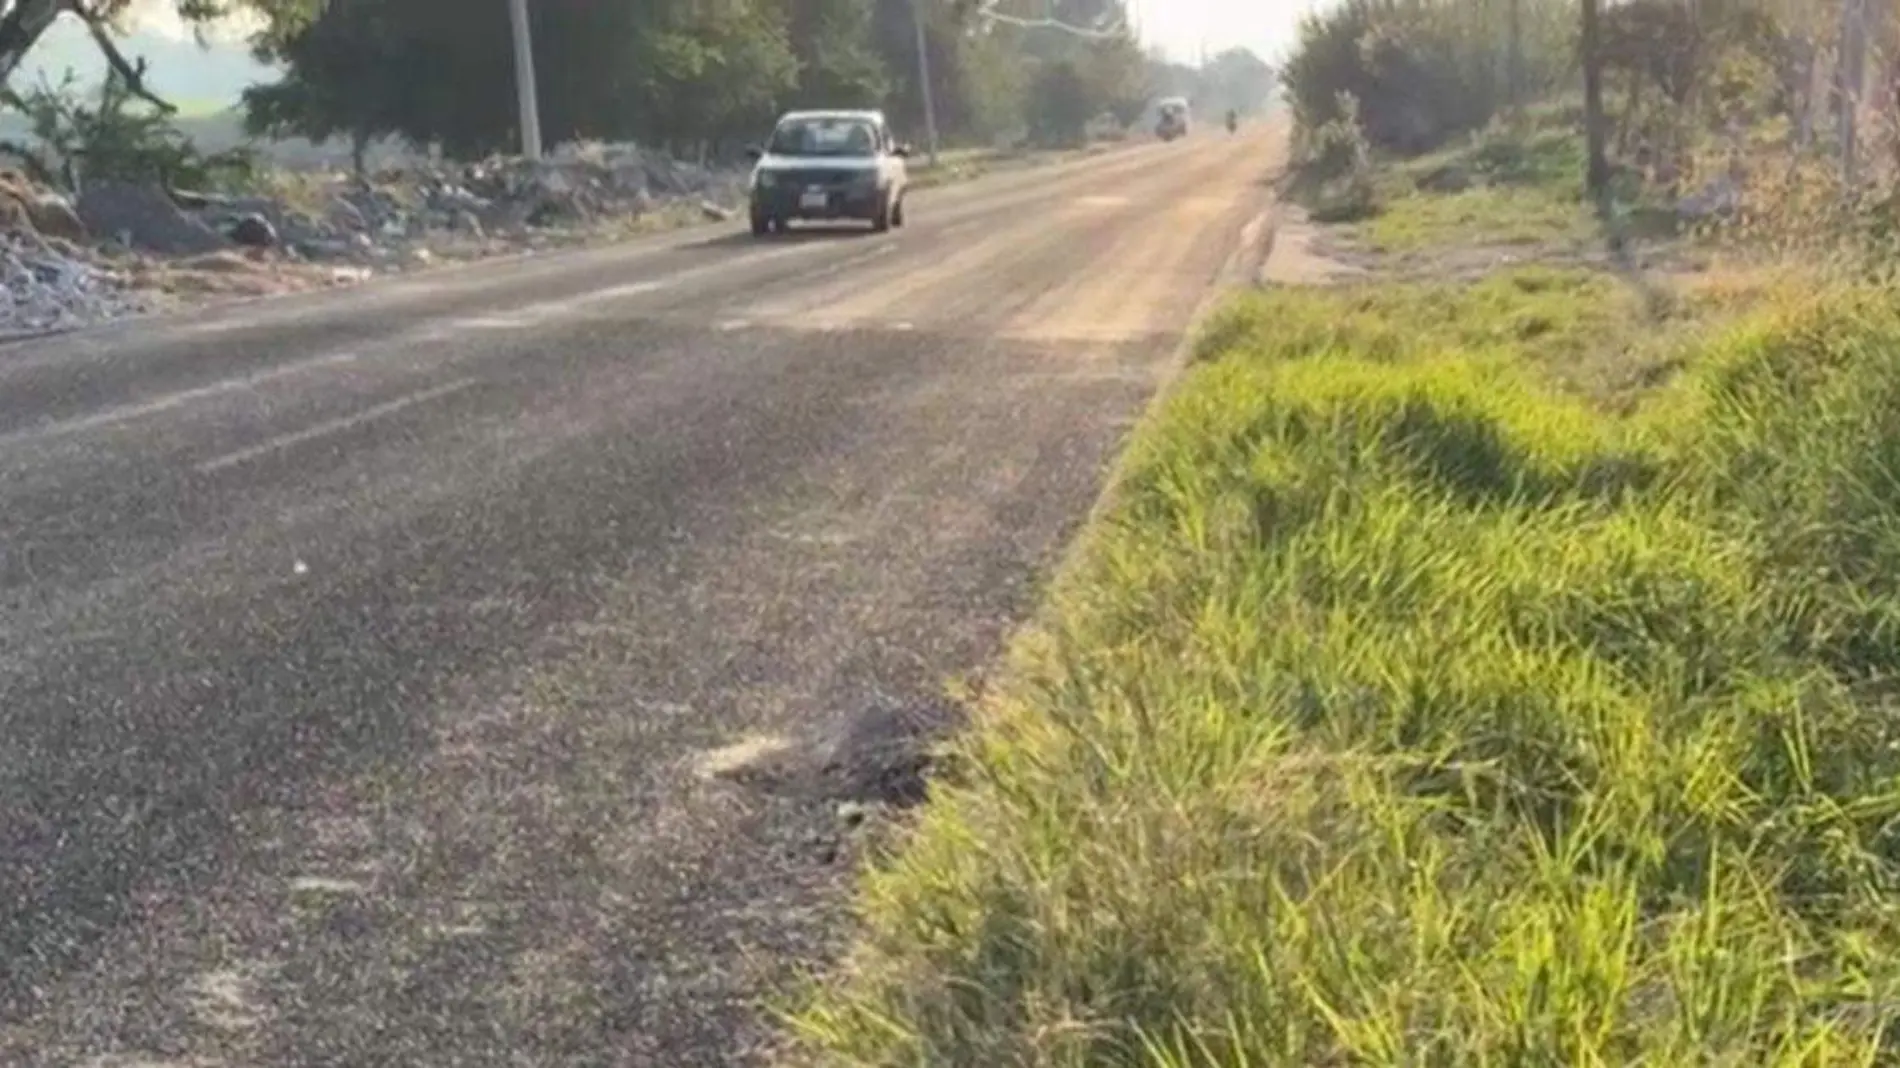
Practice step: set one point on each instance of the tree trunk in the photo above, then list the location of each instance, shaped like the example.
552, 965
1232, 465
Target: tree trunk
21, 29
1800, 90
1597, 173
1515, 71
359, 157
1632, 114
1850, 80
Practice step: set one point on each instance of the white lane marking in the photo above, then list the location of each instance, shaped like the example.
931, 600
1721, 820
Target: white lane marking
211, 326
497, 322
334, 426
525, 317
533, 315
128, 412
539, 314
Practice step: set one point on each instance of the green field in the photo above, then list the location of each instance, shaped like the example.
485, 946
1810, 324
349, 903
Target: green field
1482, 675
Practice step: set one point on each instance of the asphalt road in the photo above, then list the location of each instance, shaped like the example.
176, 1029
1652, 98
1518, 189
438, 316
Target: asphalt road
375, 665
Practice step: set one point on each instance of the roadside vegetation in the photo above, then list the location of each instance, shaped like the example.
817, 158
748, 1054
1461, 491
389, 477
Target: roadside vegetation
1412, 704
1490, 660
709, 77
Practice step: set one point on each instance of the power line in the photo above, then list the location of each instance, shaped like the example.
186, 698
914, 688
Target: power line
987, 11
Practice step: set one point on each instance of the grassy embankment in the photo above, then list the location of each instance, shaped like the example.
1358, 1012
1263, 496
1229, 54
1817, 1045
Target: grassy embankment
1461, 675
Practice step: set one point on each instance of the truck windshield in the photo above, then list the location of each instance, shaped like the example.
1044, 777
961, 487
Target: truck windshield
824, 137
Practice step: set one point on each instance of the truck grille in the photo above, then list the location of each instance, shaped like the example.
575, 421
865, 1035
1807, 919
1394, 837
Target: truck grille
825, 176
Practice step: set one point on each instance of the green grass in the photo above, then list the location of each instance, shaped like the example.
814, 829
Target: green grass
1420, 701
1525, 190
1415, 221
1512, 185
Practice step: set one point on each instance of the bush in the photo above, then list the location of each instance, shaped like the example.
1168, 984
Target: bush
1423, 71
1335, 167
1061, 105
115, 137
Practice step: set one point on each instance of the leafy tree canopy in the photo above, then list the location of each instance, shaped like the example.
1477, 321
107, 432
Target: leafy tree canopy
690, 73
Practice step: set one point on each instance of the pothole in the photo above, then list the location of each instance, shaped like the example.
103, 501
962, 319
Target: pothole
881, 755
885, 753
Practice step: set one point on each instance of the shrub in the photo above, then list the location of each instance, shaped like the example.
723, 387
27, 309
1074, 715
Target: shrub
1422, 71
114, 137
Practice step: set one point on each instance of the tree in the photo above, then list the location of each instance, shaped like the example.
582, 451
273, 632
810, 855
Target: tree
24, 22
987, 58
679, 72
716, 70
1060, 109
111, 135
1597, 170
689, 74
346, 78
1236, 79
837, 64
1425, 71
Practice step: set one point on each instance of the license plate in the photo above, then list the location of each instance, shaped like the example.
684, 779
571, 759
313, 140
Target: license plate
813, 198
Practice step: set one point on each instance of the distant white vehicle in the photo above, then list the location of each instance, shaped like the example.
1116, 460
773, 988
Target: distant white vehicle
1173, 118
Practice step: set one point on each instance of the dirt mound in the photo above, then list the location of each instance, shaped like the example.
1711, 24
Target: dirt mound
145, 218
24, 205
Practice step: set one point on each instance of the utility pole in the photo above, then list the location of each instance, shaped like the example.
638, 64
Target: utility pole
1597, 174
923, 78
524, 80
1853, 77
1515, 74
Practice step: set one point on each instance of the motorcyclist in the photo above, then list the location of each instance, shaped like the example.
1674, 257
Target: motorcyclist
1233, 120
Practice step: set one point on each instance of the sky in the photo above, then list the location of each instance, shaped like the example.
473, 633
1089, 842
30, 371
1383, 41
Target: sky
160, 18
1266, 26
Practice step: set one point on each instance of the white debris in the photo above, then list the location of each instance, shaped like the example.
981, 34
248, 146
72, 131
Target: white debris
62, 270
43, 290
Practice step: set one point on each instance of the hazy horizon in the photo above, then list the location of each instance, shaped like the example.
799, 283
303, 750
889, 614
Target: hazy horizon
1181, 27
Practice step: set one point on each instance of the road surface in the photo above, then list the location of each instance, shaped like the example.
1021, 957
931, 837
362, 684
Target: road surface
444, 672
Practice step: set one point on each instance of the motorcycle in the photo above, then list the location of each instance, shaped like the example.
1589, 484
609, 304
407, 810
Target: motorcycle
1233, 122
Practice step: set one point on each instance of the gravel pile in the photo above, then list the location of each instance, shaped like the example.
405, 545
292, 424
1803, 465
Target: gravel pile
495, 203
44, 289
116, 249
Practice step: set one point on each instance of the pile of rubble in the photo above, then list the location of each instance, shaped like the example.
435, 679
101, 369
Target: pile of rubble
426, 209
44, 288
46, 280
69, 261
